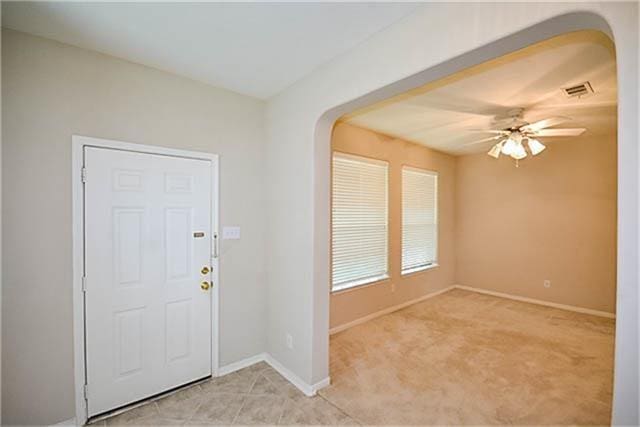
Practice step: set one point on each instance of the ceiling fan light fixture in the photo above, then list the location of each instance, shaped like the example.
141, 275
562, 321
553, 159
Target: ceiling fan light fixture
508, 146
535, 146
495, 150
519, 152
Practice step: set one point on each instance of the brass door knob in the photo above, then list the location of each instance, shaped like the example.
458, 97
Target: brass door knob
205, 270
205, 286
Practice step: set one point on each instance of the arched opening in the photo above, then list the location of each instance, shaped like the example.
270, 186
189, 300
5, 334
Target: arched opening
543, 31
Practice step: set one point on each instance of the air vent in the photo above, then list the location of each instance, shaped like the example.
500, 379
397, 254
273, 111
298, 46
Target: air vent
578, 90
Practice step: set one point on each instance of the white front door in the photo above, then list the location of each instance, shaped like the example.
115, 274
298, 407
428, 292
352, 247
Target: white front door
148, 224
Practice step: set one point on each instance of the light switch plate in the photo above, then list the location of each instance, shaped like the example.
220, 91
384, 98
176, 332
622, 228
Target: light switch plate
231, 233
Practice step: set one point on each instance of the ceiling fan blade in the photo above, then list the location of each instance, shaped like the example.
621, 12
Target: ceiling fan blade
500, 132
491, 138
559, 132
541, 124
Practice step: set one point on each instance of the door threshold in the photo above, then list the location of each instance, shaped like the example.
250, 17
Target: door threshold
122, 409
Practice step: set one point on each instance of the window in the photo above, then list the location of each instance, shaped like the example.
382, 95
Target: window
359, 221
419, 219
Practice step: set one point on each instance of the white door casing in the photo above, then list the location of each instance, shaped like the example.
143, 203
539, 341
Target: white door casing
148, 223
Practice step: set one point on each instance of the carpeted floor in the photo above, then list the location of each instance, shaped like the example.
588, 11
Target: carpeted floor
468, 358
458, 358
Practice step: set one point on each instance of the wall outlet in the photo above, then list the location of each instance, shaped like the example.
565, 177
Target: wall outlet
547, 283
393, 287
289, 341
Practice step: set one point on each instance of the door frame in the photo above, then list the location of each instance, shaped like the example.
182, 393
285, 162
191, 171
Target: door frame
77, 162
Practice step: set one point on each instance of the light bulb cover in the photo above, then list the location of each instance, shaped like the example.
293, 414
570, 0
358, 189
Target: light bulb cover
508, 146
495, 150
535, 146
519, 152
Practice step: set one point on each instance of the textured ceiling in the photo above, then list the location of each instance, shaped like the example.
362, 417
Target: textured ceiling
444, 115
256, 49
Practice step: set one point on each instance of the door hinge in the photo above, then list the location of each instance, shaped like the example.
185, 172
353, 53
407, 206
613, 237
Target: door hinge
85, 390
83, 174
84, 283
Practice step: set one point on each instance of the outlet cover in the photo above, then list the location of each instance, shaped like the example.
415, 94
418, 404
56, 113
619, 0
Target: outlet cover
289, 341
547, 283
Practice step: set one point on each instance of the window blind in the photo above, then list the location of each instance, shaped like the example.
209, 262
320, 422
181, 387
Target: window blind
359, 221
419, 219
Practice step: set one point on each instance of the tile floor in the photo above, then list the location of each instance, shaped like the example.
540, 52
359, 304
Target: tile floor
458, 358
254, 395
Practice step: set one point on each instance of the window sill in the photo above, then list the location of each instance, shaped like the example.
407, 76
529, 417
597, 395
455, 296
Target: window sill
360, 284
419, 269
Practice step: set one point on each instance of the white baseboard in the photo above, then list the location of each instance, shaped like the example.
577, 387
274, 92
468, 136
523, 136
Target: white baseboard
537, 301
240, 364
307, 389
387, 310
321, 384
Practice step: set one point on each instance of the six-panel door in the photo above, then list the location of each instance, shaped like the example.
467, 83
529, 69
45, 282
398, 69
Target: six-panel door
147, 238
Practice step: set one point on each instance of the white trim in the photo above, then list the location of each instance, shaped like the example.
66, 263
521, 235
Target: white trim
321, 384
307, 389
387, 310
77, 162
241, 364
413, 270
354, 284
538, 302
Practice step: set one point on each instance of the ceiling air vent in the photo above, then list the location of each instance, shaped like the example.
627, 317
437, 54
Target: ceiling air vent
578, 90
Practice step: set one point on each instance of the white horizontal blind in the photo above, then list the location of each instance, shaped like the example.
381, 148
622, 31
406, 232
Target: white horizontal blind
419, 219
359, 221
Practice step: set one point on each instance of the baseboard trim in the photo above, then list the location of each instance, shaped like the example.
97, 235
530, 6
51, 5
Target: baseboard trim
241, 364
387, 310
321, 384
307, 389
538, 302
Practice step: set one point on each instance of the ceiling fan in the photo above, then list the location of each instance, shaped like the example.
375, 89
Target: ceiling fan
515, 135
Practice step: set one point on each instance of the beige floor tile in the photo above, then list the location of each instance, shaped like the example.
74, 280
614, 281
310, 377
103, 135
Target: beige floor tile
260, 410
181, 405
314, 411
134, 415
156, 420
218, 409
263, 386
235, 382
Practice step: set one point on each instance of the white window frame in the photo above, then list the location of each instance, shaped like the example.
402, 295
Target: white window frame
434, 263
370, 279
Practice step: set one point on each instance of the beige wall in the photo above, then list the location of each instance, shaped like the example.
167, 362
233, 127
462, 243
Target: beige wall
502, 228
52, 91
355, 303
552, 218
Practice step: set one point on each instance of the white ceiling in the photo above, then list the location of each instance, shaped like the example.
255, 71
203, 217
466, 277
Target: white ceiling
257, 49
443, 116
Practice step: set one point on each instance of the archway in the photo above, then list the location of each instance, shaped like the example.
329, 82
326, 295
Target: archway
625, 389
